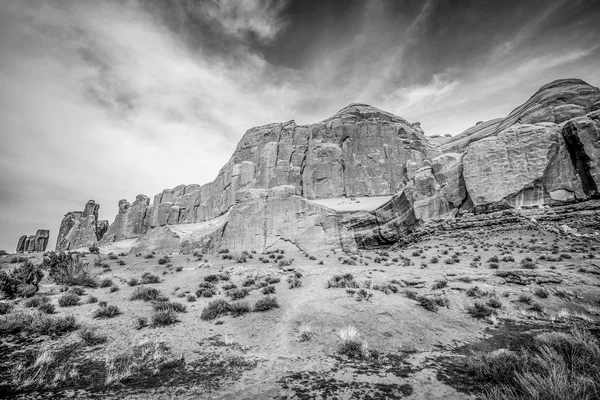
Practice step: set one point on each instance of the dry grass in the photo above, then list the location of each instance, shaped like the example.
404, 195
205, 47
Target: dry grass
351, 344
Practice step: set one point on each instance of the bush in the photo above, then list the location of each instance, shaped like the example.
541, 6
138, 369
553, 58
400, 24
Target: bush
93, 249
163, 260
524, 298
139, 323
106, 282
68, 300
113, 289
91, 337
238, 294
22, 281
427, 303
92, 299
36, 301
146, 294
69, 270
479, 310
248, 282
191, 298
77, 290
342, 281
163, 318
37, 323
351, 345
169, 306
528, 263
494, 303
541, 293
215, 309
239, 308
559, 366
106, 312
206, 291
147, 278
272, 279
494, 265
133, 282
268, 290
266, 304
439, 285
294, 283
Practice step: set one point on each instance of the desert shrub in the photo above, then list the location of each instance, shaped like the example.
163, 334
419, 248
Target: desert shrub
149, 255
268, 290
5, 307
91, 299
167, 305
113, 289
441, 301
559, 366
508, 258
248, 282
133, 282
351, 345
439, 285
272, 279
163, 260
239, 308
449, 261
238, 294
148, 278
106, 312
465, 279
163, 318
474, 291
77, 290
541, 293
266, 304
493, 259
528, 263
386, 288
22, 281
37, 323
215, 309
493, 302
229, 286
36, 301
411, 294
427, 303
206, 290
68, 300
69, 270
106, 282
494, 265
342, 281
294, 282
524, 298
479, 310
91, 337
122, 262
146, 294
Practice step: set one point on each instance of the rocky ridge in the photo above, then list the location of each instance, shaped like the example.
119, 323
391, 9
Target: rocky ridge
273, 190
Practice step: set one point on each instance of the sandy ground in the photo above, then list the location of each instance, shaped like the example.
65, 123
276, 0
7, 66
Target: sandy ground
408, 337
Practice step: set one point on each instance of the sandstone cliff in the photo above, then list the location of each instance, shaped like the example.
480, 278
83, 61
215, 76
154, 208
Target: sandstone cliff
282, 184
37, 242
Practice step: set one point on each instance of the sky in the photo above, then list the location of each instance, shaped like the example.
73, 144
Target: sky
107, 99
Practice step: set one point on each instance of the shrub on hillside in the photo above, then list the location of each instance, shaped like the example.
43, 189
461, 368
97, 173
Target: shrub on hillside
266, 304
68, 269
22, 281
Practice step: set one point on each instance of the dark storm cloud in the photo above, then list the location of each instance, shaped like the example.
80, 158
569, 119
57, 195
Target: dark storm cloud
108, 99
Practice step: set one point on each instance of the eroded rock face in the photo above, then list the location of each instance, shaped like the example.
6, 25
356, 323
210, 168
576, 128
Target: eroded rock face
129, 222
41, 239
81, 228
525, 165
582, 138
21, 244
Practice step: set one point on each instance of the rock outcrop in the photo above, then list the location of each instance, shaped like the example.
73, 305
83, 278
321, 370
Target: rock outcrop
81, 228
274, 190
37, 242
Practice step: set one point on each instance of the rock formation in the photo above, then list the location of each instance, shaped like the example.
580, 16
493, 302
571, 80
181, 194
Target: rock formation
282, 184
81, 228
37, 242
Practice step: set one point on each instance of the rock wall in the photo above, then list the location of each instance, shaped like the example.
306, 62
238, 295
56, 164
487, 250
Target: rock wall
545, 153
